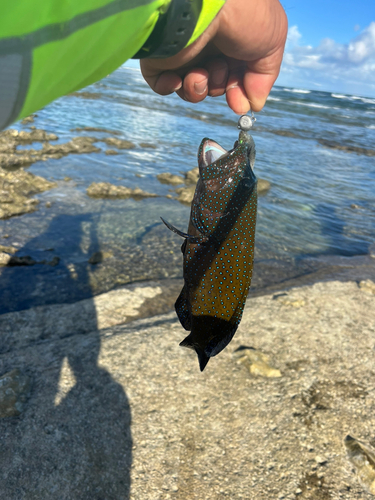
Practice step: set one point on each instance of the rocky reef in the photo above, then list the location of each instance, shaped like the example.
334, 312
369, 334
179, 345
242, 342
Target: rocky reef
106, 190
17, 189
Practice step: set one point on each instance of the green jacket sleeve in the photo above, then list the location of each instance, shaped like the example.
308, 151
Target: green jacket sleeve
49, 48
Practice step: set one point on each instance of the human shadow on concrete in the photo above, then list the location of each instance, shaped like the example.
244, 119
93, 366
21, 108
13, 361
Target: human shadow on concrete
73, 439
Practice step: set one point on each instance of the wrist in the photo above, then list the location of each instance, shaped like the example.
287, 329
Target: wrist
178, 27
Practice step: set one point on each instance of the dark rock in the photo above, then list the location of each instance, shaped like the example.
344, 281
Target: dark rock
96, 129
147, 145
367, 286
362, 456
28, 119
166, 178
284, 133
185, 194
4, 258
78, 145
19, 137
192, 176
24, 260
54, 262
346, 147
108, 190
16, 189
14, 161
263, 186
119, 143
13, 158
36, 135
14, 389
87, 95
256, 362
98, 257
111, 152
8, 249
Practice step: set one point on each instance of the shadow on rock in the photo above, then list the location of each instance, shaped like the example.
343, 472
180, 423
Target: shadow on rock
334, 228
73, 439
53, 267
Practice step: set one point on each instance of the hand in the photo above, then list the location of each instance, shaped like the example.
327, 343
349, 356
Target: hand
239, 54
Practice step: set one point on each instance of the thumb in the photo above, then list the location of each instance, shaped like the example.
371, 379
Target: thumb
249, 84
260, 77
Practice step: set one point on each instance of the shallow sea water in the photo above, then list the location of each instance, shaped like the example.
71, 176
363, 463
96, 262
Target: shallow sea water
308, 211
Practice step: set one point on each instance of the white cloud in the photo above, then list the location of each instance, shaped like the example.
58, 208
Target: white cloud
363, 46
294, 36
338, 67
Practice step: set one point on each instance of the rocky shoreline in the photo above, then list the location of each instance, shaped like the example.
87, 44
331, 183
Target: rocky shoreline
105, 267
285, 412
94, 385
17, 185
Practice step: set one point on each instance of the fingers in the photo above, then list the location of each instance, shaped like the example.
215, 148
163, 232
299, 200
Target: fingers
163, 83
210, 80
239, 54
259, 78
246, 85
192, 87
167, 83
257, 86
218, 71
195, 85
236, 95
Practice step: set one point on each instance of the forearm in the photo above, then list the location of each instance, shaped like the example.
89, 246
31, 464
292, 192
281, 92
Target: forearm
50, 48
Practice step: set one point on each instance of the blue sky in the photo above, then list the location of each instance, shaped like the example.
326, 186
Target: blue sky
331, 46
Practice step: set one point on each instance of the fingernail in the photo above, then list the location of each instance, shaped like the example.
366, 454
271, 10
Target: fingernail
177, 88
201, 87
219, 76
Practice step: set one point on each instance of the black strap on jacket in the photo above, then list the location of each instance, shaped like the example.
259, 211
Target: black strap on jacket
172, 31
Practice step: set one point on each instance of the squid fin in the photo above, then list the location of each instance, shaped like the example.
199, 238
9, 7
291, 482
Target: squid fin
202, 356
182, 310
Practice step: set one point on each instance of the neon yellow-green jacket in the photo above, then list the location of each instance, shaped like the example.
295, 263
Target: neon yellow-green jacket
49, 48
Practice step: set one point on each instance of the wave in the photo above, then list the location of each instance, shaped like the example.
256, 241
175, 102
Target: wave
365, 100
297, 91
300, 91
270, 98
312, 105
339, 96
372, 127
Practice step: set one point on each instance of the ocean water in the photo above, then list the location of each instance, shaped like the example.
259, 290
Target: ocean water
321, 200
